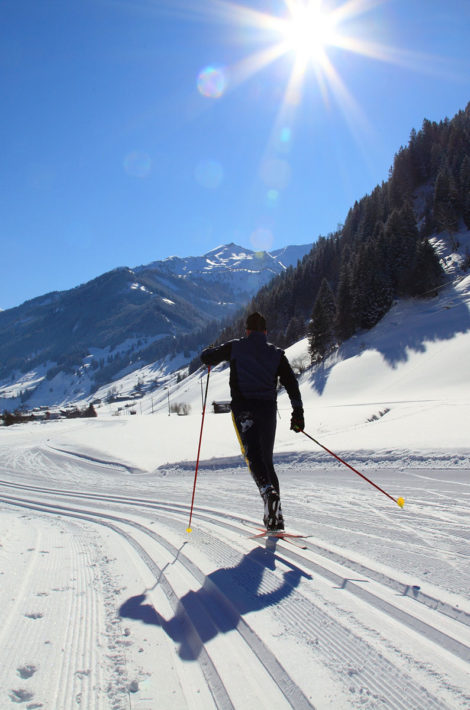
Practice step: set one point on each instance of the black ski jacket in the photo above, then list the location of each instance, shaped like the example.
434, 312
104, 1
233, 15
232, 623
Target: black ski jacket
255, 366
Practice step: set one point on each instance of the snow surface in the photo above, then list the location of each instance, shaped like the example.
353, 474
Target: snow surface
108, 602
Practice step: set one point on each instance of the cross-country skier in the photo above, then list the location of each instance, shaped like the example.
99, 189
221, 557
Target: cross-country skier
255, 366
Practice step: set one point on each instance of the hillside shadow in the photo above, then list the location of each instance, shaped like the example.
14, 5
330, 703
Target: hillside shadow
401, 332
217, 607
441, 319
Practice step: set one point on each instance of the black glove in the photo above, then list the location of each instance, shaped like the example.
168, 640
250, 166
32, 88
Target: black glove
297, 423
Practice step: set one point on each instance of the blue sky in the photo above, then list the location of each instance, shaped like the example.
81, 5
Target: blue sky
133, 130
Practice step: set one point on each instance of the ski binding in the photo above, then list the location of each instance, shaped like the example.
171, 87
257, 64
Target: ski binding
293, 538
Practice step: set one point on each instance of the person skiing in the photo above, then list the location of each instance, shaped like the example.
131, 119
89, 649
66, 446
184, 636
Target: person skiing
255, 367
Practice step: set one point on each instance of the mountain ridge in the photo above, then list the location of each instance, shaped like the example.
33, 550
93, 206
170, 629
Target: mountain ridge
146, 308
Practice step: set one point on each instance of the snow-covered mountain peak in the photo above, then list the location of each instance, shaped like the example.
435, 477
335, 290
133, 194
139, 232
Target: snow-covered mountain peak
229, 257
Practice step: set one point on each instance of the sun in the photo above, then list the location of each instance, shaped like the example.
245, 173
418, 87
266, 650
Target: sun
313, 39
309, 30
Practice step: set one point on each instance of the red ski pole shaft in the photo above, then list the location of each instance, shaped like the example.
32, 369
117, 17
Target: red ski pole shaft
398, 501
188, 529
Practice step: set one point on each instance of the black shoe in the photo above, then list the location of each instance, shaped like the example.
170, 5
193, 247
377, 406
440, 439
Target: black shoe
277, 527
278, 524
272, 510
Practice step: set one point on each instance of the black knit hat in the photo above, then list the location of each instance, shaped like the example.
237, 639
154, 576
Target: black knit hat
256, 322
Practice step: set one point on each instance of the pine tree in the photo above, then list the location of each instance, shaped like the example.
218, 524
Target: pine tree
295, 331
345, 324
400, 242
427, 272
351, 224
372, 208
393, 245
445, 199
372, 287
402, 179
321, 328
409, 239
464, 190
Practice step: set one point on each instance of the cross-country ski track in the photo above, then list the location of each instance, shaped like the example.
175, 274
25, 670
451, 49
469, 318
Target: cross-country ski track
108, 602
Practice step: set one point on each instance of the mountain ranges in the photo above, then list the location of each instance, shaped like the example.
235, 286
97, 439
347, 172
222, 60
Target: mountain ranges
121, 316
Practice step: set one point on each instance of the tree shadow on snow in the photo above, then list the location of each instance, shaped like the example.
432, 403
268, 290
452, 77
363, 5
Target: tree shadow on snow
217, 607
402, 331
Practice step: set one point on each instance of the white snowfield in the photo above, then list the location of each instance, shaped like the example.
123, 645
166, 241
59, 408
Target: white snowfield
107, 601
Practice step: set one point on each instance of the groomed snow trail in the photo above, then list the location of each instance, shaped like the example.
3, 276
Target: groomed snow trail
109, 603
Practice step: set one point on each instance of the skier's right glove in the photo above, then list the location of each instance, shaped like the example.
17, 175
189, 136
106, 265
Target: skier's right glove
297, 423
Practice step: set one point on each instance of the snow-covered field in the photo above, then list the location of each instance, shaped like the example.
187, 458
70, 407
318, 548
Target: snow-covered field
107, 601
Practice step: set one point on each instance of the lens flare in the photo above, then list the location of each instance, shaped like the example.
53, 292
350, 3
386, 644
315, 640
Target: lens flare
262, 239
209, 174
212, 82
138, 164
273, 195
275, 173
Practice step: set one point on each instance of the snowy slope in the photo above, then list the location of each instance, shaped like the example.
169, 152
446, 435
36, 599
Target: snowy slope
402, 386
109, 603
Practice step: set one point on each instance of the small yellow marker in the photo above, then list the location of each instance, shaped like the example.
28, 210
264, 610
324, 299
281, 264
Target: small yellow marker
190, 529
401, 502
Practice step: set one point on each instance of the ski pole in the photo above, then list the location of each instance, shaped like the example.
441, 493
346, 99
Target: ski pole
399, 501
189, 529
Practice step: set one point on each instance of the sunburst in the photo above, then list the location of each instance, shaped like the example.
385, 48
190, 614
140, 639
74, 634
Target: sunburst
305, 32
313, 38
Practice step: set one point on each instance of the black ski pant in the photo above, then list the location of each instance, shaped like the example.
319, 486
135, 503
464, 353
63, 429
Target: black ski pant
255, 424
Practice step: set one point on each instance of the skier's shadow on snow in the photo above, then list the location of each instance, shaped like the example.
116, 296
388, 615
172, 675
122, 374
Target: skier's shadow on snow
217, 607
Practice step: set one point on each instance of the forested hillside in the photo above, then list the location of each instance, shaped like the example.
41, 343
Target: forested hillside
351, 277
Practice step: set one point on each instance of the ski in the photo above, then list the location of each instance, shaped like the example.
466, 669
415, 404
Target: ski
293, 538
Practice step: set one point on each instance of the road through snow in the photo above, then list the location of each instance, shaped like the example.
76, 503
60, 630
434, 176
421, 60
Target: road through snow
108, 603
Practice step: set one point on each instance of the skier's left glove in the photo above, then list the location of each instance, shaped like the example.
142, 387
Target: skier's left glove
297, 423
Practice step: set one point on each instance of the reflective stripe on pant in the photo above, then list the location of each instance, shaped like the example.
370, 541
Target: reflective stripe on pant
255, 425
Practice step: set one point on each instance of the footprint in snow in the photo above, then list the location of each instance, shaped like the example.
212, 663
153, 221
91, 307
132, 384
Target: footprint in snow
26, 671
21, 695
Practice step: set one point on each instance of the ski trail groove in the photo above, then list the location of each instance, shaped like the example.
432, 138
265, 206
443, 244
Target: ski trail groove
405, 590
428, 630
340, 643
221, 519
336, 641
288, 688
